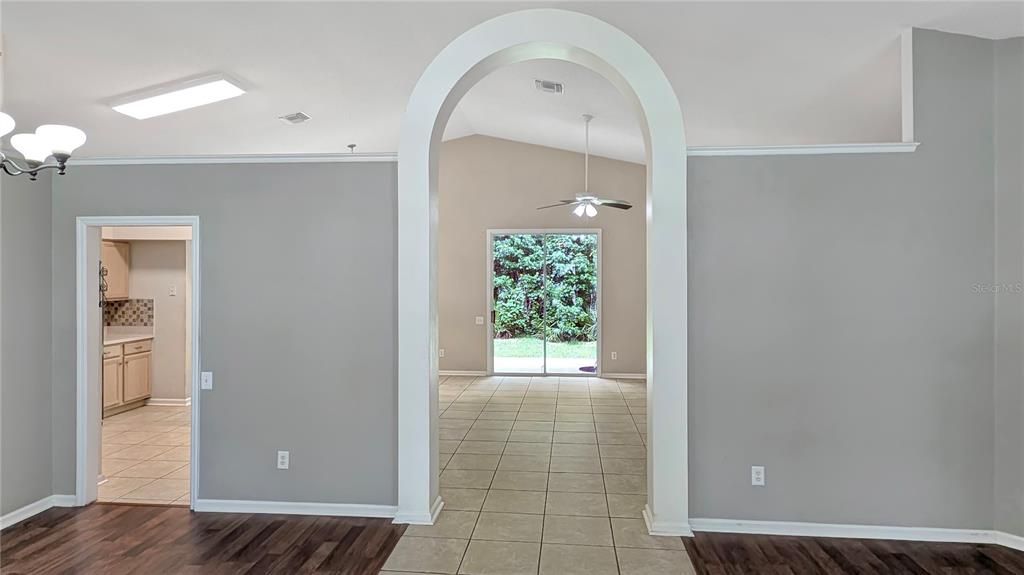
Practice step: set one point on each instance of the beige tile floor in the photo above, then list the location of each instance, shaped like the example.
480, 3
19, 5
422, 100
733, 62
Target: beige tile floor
146, 456
541, 475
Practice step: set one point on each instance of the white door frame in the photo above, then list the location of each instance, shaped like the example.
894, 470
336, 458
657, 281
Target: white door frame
89, 405
490, 294
592, 43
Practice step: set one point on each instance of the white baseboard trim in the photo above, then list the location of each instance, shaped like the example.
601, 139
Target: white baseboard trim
800, 529
421, 518
35, 508
665, 528
169, 402
293, 508
624, 375
1009, 540
450, 372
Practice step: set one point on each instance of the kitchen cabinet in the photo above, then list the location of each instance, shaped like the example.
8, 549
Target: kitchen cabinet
127, 376
116, 259
136, 384
112, 370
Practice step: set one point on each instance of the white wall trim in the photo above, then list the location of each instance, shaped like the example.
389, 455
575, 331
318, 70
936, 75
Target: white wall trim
35, 508
234, 159
421, 519
293, 508
88, 411
697, 151
593, 43
801, 529
907, 85
1009, 540
169, 402
805, 150
665, 528
624, 375
458, 373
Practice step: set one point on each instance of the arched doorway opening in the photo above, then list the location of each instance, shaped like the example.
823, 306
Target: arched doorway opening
587, 41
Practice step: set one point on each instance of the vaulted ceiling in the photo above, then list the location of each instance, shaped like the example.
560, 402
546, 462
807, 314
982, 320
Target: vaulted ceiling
746, 73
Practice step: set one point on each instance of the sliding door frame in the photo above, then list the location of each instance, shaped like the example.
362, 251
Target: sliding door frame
489, 296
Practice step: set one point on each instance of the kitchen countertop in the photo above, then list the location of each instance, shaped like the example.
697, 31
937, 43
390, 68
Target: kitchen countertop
116, 335
118, 339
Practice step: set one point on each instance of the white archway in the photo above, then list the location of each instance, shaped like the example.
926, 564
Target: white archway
584, 40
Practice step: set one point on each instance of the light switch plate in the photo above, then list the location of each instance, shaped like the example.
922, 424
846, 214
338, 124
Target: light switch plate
479, 320
206, 380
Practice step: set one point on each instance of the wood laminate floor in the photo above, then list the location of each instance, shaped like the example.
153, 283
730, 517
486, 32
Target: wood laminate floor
728, 554
114, 539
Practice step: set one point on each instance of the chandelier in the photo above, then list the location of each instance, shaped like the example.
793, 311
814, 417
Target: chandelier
49, 140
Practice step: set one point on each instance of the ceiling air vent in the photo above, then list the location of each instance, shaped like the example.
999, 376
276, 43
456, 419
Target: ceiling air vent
549, 86
296, 118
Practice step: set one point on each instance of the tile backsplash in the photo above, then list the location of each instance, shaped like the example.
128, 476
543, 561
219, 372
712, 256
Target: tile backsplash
129, 312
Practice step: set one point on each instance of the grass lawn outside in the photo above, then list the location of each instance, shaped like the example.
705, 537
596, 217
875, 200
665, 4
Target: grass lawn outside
534, 347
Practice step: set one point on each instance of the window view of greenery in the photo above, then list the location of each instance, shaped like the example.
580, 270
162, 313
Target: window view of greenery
545, 286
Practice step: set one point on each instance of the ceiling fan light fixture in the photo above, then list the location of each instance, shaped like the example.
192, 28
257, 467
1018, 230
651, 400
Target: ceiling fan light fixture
580, 209
590, 210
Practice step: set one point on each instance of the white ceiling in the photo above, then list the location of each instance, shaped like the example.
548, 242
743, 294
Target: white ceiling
746, 73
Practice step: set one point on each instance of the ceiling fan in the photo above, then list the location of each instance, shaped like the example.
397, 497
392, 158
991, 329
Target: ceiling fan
586, 204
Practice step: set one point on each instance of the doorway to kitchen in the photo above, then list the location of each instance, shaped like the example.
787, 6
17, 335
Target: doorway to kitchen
137, 359
544, 302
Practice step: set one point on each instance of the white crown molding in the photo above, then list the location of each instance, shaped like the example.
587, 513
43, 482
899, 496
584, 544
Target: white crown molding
805, 150
234, 159
293, 508
697, 152
800, 529
35, 508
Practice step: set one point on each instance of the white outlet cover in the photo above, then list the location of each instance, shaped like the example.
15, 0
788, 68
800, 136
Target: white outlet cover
283, 459
441, 352
479, 320
757, 475
615, 355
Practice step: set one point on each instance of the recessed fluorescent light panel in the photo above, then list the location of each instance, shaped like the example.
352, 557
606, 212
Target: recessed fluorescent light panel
179, 97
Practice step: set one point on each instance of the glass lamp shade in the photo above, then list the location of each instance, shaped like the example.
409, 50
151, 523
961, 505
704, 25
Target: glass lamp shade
578, 212
61, 139
591, 210
34, 148
6, 124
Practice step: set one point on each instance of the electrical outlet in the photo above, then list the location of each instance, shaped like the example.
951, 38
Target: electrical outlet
615, 355
282, 459
757, 475
206, 380
479, 320
441, 352
173, 291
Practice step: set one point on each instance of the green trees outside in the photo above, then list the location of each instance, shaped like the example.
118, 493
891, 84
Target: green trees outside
546, 285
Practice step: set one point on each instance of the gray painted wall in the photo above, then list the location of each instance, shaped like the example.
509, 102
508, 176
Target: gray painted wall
842, 330
1009, 382
25, 460
836, 334
298, 297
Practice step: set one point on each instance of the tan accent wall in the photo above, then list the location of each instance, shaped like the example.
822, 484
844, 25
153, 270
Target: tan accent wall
487, 183
155, 267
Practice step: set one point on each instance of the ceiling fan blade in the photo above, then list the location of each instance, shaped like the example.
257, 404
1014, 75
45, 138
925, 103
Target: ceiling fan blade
620, 204
561, 203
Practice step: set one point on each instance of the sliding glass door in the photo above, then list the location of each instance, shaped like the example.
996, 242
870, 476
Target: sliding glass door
545, 302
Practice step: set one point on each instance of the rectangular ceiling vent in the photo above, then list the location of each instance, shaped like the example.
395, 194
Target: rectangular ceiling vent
296, 118
549, 86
